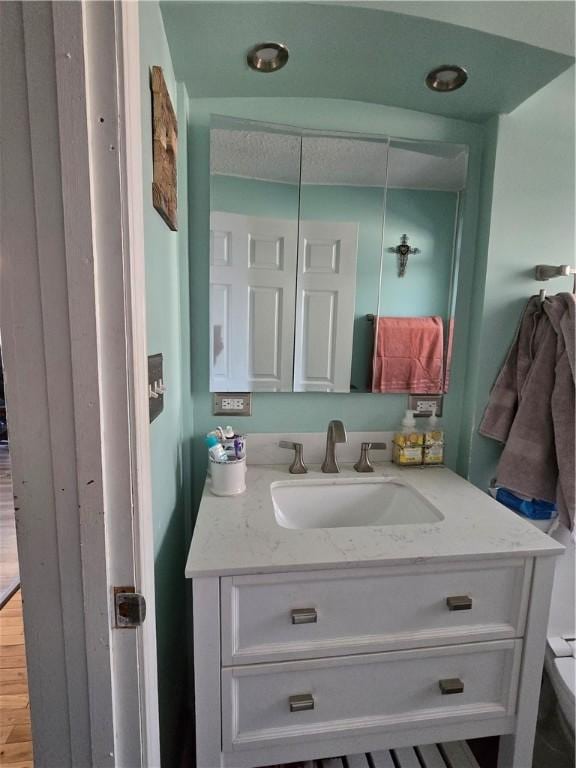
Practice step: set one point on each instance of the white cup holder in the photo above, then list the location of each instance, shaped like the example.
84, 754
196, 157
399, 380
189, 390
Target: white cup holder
228, 477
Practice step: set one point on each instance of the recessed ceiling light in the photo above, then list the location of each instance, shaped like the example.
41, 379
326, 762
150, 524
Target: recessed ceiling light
448, 77
267, 57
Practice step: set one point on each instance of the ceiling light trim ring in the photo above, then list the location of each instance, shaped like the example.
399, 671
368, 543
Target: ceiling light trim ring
258, 63
439, 85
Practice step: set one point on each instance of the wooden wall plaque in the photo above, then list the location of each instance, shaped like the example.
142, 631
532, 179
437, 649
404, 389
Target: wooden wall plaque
164, 150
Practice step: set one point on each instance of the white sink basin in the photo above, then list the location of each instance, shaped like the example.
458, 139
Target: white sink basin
349, 503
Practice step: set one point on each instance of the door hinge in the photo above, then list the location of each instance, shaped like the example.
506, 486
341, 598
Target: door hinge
129, 608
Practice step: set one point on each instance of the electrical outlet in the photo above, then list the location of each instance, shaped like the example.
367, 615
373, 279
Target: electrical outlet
424, 405
232, 404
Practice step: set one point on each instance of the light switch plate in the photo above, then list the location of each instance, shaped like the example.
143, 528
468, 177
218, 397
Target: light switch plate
232, 404
423, 405
155, 374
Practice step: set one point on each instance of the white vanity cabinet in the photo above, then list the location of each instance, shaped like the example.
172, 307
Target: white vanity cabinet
319, 643
298, 665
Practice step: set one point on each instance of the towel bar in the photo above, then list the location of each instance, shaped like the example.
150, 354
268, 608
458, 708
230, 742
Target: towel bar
547, 271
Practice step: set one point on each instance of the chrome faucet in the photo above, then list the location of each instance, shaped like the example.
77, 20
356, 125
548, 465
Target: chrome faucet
335, 434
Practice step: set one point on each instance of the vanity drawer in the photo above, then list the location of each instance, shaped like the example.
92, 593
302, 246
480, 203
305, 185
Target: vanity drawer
313, 614
365, 694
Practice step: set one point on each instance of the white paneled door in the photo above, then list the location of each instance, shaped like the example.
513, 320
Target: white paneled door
326, 290
252, 295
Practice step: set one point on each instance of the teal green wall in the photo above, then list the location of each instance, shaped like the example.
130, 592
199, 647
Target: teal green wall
311, 412
167, 301
254, 197
477, 298
428, 218
531, 222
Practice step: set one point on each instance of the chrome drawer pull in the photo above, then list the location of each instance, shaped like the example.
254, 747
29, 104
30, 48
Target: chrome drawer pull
451, 685
459, 603
304, 616
301, 702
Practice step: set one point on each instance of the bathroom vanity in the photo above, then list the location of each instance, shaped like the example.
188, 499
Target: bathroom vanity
404, 608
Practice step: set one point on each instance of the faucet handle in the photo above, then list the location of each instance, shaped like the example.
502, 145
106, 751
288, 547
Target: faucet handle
297, 467
363, 464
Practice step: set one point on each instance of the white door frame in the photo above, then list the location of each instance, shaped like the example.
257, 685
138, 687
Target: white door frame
72, 313
128, 46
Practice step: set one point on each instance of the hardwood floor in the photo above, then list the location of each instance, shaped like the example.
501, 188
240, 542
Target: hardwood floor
15, 732
8, 552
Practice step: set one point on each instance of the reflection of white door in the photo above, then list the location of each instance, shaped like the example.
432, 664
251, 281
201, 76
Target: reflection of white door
326, 290
252, 293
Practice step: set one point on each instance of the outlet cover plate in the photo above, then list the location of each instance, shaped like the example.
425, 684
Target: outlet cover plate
423, 405
232, 404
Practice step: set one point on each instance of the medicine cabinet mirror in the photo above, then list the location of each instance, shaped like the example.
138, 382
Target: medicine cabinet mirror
333, 260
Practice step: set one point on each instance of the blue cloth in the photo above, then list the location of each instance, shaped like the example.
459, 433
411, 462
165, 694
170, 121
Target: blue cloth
535, 509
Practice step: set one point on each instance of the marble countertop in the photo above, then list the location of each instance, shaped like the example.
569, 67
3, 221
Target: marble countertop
240, 534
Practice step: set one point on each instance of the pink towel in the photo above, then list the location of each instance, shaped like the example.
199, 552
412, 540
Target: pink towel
408, 355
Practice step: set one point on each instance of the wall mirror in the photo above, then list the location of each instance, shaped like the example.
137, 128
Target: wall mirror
333, 260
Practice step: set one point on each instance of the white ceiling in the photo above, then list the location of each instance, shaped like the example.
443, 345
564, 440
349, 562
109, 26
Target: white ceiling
336, 161
544, 23
255, 155
413, 169
328, 160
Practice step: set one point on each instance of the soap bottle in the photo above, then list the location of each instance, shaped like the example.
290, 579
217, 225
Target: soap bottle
433, 441
408, 442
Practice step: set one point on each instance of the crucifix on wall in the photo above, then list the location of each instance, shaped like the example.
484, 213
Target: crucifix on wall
403, 250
